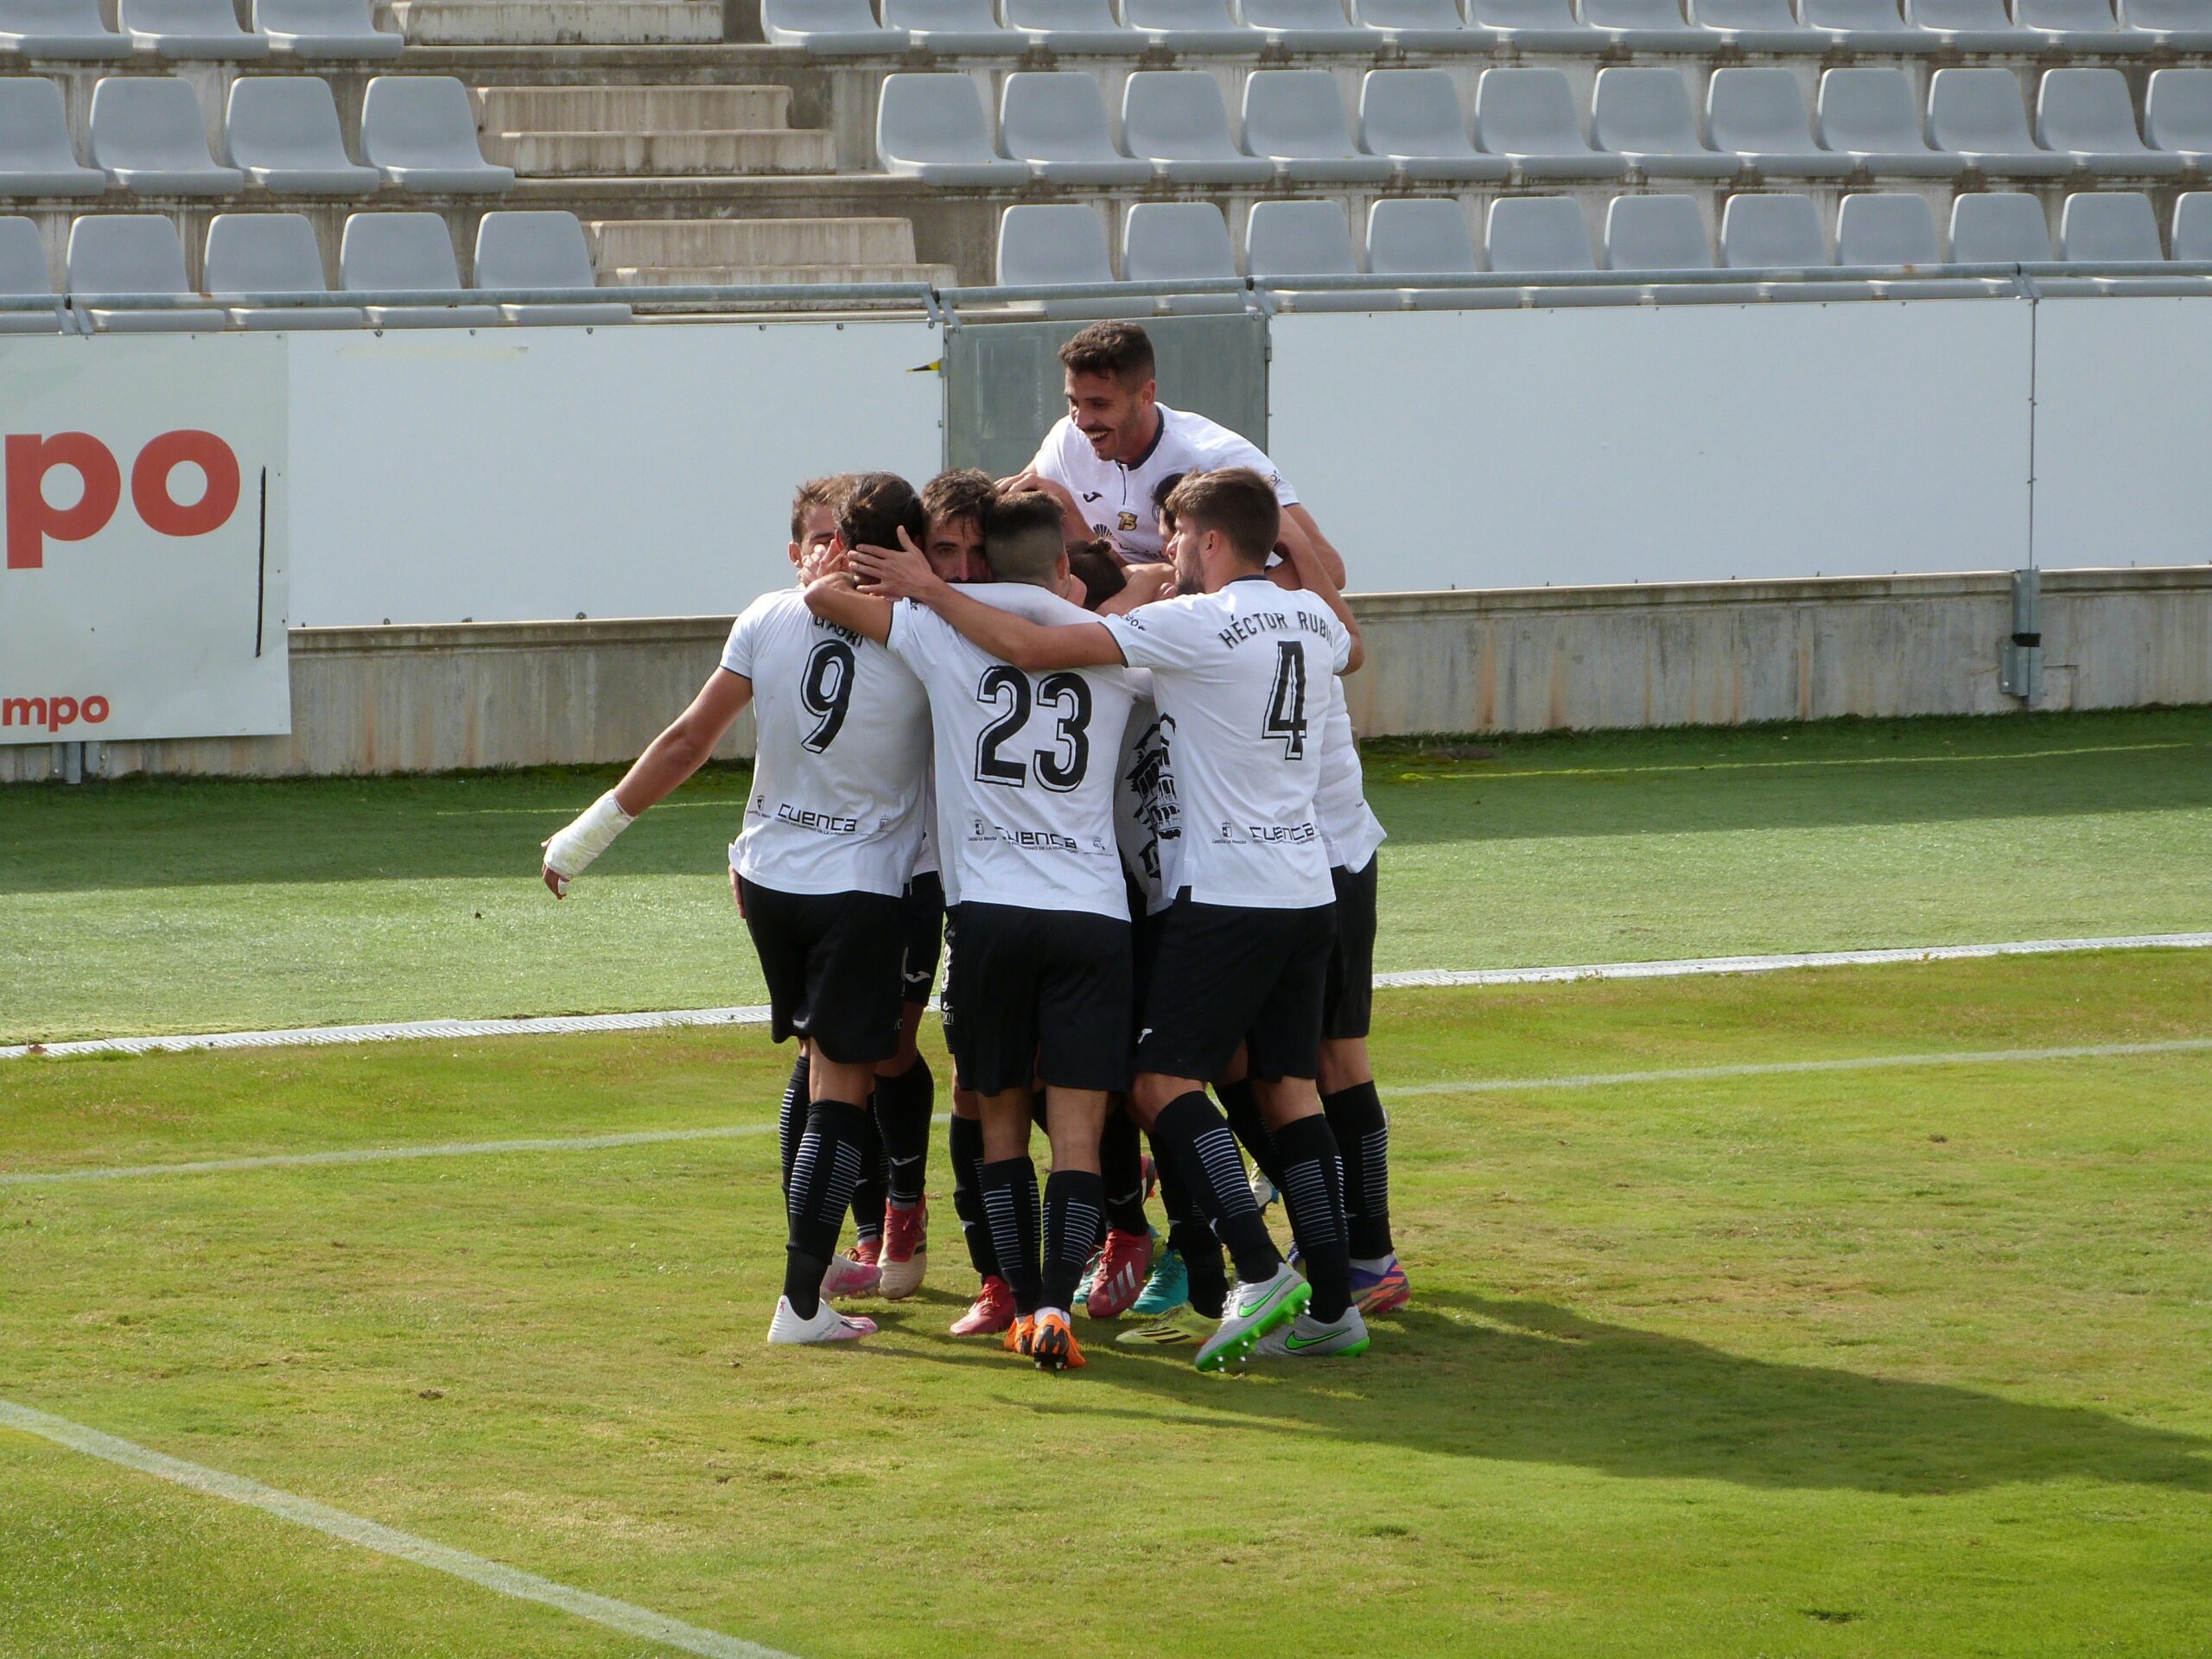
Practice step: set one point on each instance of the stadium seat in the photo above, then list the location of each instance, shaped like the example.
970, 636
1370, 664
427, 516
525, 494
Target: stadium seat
58, 28
2087, 114
1420, 25
1056, 124
1872, 116
1534, 25
2001, 227
419, 131
1759, 116
282, 131
35, 156
1779, 233
1046, 244
1979, 114
1189, 25
966, 28
828, 28
1422, 236
1174, 119
1655, 233
2108, 225
1295, 119
1412, 117
188, 28
406, 252
1646, 115
2193, 227
271, 253
1971, 25
1289, 240
1084, 26
131, 253
543, 249
1896, 228
1867, 26
323, 29
933, 127
1306, 25
2177, 115
1757, 25
148, 135
1542, 233
2183, 25
1175, 241
23, 271
1645, 25
2082, 26
1528, 117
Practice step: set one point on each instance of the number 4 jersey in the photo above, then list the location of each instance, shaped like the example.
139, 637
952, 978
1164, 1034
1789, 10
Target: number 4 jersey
1026, 763
838, 767
1247, 676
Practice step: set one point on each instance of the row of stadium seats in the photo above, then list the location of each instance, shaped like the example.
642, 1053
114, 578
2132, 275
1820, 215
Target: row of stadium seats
276, 253
982, 28
280, 132
1412, 238
1174, 126
193, 28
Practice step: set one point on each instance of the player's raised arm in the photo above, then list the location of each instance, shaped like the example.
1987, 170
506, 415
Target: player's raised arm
1313, 574
834, 599
903, 573
1299, 532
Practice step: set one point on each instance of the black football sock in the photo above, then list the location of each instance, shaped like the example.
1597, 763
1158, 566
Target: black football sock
902, 1118
1363, 1136
1195, 1135
1121, 1168
823, 1173
874, 1188
967, 1143
1190, 1237
1242, 1111
1313, 1192
1073, 1200
1010, 1206
790, 1120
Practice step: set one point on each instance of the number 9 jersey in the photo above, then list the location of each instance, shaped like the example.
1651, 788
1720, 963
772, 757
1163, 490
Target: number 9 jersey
839, 764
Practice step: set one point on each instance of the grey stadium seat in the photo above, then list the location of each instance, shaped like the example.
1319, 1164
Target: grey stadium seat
1048, 245
1286, 240
954, 27
1896, 228
35, 157
1543, 233
1172, 241
406, 252
2184, 25
2002, 227
1646, 25
282, 131
1295, 119
1757, 25
2115, 225
1646, 115
148, 135
1979, 113
1421, 237
1775, 231
1189, 25
1872, 116
1071, 26
323, 29
2177, 114
934, 128
131, 253
1528, 117
1759, 116
2082, 25
1305, 25
188, 28
1534, 25
1655, 233
543, 249
2193, 227
1973, 25
1420, 25
271, 253
1175, 119
58, 28
1868, 25
1056, 125
1412, 116
828, 28
2087, 114
23, 271
419, 131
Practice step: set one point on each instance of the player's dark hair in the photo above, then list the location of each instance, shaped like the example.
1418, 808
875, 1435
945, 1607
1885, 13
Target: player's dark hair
875, 507
1023, 538
815, 493
1235, 501
1120, 349
1101, 574
963, 492
1160, 491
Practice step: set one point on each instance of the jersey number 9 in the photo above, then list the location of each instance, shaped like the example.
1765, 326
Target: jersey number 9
826, 689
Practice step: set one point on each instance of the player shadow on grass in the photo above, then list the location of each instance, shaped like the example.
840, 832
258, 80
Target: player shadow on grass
1526, 1382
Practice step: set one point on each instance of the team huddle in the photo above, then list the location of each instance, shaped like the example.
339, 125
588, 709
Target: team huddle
1084, 727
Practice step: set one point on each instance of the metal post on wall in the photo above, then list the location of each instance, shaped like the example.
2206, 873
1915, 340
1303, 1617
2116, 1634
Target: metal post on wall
2020, 661
69, 762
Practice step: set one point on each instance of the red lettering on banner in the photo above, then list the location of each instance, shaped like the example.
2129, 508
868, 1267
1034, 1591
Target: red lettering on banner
30, 520
149, 483
53, 713
95, 710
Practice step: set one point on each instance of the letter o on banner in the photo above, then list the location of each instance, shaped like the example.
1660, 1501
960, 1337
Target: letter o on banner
94, 711
149, 483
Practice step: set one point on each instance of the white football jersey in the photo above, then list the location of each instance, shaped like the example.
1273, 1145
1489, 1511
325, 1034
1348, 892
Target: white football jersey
1117, 500
1148, 816
837, 768
1248, 676
1349, 825
1025, 762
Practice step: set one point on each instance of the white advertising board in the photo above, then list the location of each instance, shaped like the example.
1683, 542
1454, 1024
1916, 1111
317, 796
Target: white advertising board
143, 589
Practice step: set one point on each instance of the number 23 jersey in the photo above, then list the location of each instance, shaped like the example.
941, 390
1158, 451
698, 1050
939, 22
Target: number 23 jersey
1026, 763
838, 765
1247, 676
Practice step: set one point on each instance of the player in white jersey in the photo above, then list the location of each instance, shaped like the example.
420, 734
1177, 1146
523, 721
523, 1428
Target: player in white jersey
1041, 981
831, 833
1246, 671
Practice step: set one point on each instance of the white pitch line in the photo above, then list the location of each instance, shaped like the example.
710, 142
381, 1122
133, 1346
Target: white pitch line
385, 1541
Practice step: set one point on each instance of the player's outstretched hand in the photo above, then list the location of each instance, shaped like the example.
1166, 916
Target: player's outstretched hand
556, 883
895, 573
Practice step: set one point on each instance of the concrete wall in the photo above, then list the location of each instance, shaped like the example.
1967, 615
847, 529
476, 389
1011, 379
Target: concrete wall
419, 699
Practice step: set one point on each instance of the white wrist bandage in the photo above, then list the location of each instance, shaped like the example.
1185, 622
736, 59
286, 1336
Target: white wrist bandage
570, 853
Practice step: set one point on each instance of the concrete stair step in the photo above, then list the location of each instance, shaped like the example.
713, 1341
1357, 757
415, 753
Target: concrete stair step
647, 154
632, 109
558, 22
697, 243
677, 276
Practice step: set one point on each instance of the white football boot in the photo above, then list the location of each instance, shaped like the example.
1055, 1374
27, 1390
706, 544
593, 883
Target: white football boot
828, 1325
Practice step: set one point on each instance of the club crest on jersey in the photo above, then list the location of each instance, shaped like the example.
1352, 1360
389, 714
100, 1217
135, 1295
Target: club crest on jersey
1128, 521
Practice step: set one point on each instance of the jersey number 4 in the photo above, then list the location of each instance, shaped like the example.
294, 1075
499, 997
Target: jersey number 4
1287, 701
1059, 768
826, 689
